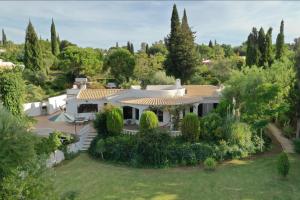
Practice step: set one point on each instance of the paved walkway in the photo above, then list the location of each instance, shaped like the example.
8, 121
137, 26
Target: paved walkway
285, 143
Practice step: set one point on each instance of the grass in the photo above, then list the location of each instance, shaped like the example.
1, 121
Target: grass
252, 179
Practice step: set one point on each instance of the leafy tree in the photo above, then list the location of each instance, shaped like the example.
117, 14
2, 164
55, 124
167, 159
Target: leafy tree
160, 78
4, 40
64, 44
33, 53
240, 134
205, 51
81, 61
228, 50
218, 52
283, 164
54, 41
158, 48
12, 91
115, 121
280, 42
190, 127
148, 121
182, 59
121, 64
252, 54
22, 173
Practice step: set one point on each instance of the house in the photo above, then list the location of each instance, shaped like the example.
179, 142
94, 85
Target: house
200, 99
6, 65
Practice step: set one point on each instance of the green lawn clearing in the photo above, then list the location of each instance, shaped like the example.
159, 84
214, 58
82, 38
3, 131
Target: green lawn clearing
252, 179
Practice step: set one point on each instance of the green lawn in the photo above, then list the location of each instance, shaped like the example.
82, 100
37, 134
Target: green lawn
256, 179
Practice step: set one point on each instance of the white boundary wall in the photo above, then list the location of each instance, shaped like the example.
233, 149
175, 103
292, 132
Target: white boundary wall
53, 104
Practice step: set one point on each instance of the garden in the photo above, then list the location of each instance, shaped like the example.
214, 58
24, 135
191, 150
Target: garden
211, 139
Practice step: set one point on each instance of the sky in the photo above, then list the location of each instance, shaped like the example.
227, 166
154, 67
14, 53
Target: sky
101, 24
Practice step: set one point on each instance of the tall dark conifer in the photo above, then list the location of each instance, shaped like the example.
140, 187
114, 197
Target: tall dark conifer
252, 53
280, 42
147, 49
128, 46
210, 44
32, 53
182, 57
54, 45
269, 48
131, 48
262, 47
4, 40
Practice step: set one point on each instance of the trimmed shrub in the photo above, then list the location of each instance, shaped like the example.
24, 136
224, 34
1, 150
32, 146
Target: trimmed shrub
190, 127
151, 148
283, 164
148, 121
202, 151
297, 145
100, 147
114, 121
210, 164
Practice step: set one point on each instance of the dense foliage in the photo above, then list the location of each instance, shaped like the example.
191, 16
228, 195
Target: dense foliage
12, 91
22, 171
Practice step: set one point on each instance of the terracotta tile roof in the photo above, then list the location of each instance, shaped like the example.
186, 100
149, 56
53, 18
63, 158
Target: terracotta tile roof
88, 94
202, 90
160, 101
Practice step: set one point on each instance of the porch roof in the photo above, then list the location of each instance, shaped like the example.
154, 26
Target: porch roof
161, 101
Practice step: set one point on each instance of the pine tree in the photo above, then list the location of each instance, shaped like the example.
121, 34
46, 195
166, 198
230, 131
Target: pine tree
54, 45
269, 53
117, 45
280, 42
263, 60
4, 40
252, 53
33, 53
182, 58
210, 44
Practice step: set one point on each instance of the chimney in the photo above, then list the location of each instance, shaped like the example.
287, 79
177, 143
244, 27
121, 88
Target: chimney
178, 84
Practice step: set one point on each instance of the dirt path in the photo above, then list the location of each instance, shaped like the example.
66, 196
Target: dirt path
285, 143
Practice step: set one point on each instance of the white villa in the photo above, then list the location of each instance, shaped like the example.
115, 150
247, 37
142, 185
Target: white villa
84, 103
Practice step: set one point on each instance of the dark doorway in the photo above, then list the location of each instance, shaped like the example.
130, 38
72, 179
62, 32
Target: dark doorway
127, 112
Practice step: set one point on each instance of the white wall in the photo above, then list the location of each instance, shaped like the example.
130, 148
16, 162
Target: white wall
33, 109
53, 104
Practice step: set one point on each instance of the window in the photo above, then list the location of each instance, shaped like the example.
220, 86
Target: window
87, 108
159, 114
137, 114
127, 112
192, 109
216, 105
200, 110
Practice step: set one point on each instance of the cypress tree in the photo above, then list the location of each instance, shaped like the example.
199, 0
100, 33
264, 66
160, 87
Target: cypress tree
263, 60
210, 44
117, 45
33, 53
131, 48
182, 58
58, 42
269, 55
128, 46
280, 42
147, 49
4, 40
252, 53
54, 45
